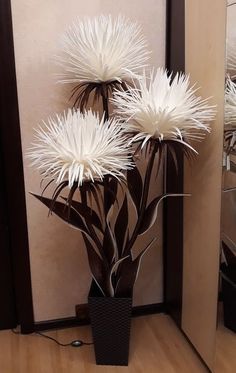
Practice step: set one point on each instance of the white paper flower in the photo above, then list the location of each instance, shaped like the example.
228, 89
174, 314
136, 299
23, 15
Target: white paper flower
102, 49
230, 103
158, 108
79, 147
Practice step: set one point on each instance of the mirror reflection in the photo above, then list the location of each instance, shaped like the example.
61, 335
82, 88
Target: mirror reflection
226, 331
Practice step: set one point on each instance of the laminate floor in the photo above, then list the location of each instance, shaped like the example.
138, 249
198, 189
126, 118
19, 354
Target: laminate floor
225, 361
156, 346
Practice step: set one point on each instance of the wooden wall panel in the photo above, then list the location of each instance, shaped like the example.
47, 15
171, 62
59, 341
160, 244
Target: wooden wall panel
205, 61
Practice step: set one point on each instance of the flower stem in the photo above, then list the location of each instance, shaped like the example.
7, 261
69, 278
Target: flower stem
89, 225
105, 103
144, 197
93, 235
106, 117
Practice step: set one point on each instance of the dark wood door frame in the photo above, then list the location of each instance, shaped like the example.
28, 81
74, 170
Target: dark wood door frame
14, 177
8, 315
13, 172
173, 207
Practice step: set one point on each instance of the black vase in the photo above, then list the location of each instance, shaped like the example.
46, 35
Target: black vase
110, 321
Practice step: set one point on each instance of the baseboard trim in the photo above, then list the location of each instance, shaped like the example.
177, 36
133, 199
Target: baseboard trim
148, 309
69, 322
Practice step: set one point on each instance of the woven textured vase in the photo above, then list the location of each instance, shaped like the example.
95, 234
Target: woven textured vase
110, 321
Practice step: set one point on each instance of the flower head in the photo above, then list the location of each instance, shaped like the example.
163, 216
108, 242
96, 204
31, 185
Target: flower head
102, 49
79, 147
230, 102
158, 108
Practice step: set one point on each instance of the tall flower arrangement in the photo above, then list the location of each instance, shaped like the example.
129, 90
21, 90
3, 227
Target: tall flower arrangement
230, 102
93, 161
230, 124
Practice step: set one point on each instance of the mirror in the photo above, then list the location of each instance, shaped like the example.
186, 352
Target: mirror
226, 329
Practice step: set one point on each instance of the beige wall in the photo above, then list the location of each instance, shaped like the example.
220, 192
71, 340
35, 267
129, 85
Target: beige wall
59, 269
205, 60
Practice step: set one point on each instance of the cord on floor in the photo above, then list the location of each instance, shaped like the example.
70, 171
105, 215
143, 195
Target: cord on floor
75, 343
